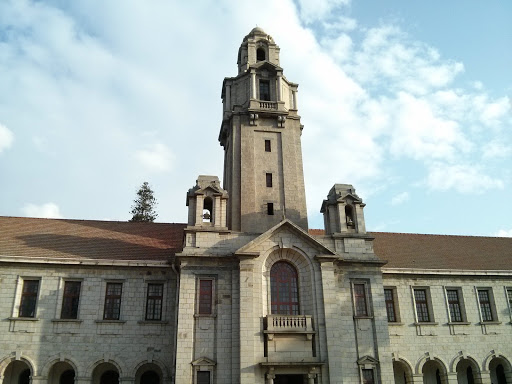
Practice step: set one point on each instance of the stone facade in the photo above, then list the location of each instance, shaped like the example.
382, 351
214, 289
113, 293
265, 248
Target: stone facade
244, 292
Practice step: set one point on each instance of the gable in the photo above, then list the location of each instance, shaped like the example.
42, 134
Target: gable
285, 235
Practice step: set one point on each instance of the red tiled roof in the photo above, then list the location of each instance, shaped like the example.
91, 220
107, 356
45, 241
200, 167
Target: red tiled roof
409, 250
89, 239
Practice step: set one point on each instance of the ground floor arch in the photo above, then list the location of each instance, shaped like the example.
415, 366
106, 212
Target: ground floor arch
149, 373
501, 371
434, 372
105, 373
17, 372
402, 372
61, 373
467, 372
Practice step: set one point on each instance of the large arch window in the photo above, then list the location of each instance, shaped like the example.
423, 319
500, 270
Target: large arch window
284, 289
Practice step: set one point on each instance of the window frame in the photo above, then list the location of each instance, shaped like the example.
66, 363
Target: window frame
113, 297
394, 303
261, 84
369, 370
270, 209
24, 295
491, 305
428, 303
154, 298
356, 297
268, 179
268, 145
64, 297
508, 296
292, 292
462, 307
199, 310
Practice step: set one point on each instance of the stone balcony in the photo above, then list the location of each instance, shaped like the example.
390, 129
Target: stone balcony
289, 338
263, 106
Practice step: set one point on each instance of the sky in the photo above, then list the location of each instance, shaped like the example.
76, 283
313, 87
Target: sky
408, 101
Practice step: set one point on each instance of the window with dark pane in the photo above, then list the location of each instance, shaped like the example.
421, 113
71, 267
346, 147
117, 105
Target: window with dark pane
29, 298
205, 296
70, 300
284, 289
264, 90
454, 305
154, 302
420, 297
203, 377
360, 299
268, 146
113, 301
390, 305
270, 208
260, 54
268, 178
368, 376
485, 304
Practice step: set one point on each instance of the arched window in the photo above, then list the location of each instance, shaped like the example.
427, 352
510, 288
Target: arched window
207, 210
260, 54
284, 289
67, 377
349, 214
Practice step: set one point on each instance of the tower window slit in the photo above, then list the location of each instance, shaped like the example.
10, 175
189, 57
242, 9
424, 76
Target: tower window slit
268, 177
270, 208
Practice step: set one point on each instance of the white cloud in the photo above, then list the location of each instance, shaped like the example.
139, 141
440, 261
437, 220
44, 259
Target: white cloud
311, 11
400, 198
6, 138
47, 210
462, 178
504, 233
157, 158
496, 150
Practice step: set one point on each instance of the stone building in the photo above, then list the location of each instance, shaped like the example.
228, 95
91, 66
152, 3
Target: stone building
245, 292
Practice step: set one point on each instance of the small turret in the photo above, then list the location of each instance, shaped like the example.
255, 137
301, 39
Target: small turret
343, 211
207, 203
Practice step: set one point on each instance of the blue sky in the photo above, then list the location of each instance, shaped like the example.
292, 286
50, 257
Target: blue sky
408, 101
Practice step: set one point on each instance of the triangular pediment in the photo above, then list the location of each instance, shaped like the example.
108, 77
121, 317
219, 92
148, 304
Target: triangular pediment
350, 196
367, 360
266, 65
202, 361
253, 248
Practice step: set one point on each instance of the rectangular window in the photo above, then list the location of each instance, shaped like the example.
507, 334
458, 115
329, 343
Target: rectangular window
268, 147
264, 90
29, 298
203, 377
205, 296
368, 376
360, 299
422, 310
484, 298
113, 301
70, 300
270, 208
509, 295
154, 302
268, 178
454, 305
389, 297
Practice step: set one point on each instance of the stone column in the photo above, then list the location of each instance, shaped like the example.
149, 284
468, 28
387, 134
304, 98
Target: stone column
417, 378
270, 378
247, 319
227, 106
199, 210
486, 377
332, 323
279, 77
126, 380
253, 85
83, 380
311, 378
451, 378
38, 380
